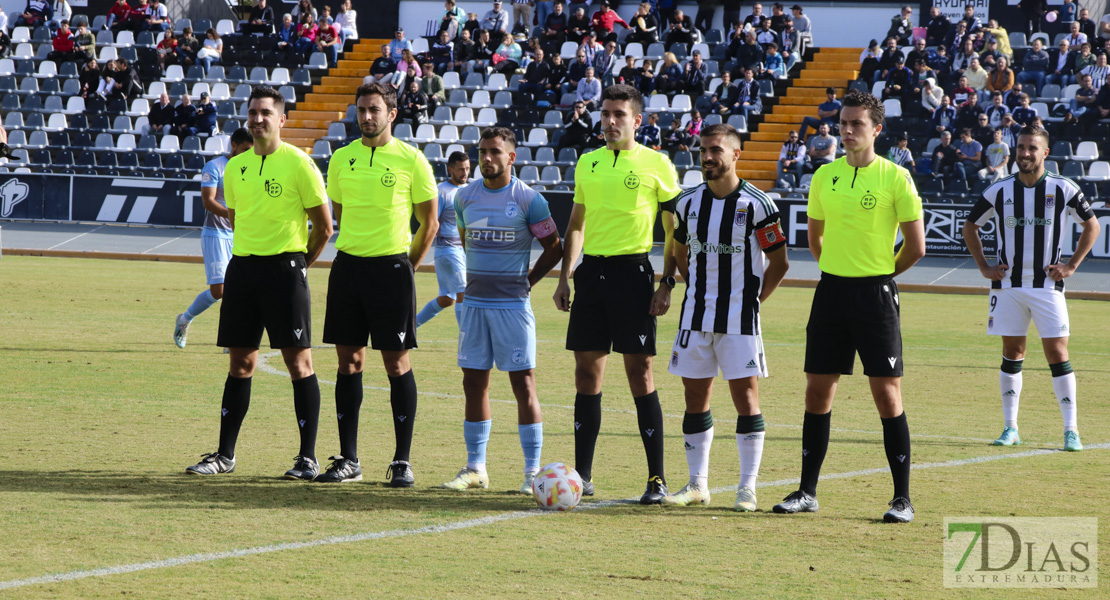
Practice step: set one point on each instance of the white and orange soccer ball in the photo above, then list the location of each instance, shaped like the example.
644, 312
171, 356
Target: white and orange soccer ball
557, 487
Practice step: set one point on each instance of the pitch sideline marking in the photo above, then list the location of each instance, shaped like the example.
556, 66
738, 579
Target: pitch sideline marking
459, 525
265, 366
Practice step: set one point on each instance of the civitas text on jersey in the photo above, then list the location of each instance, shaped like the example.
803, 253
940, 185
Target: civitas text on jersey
1027, 222
697, 247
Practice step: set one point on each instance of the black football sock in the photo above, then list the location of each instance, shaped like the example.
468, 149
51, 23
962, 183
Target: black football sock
237, 399
306, 403
896, 439
649, 416
402, 397
815, 442
587, 424
348, 401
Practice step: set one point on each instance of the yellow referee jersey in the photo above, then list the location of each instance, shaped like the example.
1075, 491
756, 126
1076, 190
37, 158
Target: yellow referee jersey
377, 188
621, 191
269, 195
861, 208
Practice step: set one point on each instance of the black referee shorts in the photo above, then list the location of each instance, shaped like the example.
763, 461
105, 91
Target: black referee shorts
371, 298
612, 299
854, 314
266, 292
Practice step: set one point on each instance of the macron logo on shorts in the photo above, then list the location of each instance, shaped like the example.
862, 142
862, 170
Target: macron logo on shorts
892, 360
297, 332
402, 336
643, 340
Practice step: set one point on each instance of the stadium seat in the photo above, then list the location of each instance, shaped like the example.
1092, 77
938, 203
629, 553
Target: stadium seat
104, 141
125, 142
336, 133
235, 74
893, 108
529, 175
487, 117
543, 156
692, 178
1061, 151
47, 69
568, 51
105, 54
152, 160
220, 92
451, 80
681, 103
17, 139
145, 39
657, 103
258, 76
139, 107
317, 61
33, 103
1099, 172
550, 175
425, 133
180, 24
191, 145
503, 100
496, 83
29, 85
536, 138
568, 157
124, 39
168, 145
433, 152
194, 163
57, 122
480, 99
155, 90
1073, 169
225, 26
39, 157
174, 73
199, 88
740, 122
524, 156
654, 51
1086, 151
20, 35
448, 134
278, 77
321, 149
214, 145
470, 135
215, 74
288, 93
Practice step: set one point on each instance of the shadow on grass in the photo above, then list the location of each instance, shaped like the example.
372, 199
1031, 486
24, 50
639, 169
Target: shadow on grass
180, 491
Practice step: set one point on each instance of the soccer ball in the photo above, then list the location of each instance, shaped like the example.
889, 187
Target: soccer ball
557, 487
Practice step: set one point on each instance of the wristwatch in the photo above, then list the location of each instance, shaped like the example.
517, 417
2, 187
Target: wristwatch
669, 281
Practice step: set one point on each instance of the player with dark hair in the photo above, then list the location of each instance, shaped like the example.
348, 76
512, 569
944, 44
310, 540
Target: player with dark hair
857, 204
498, 217
1030, 210
377, 183
726, 229
266, 284
215, 236
618, 191
450, 258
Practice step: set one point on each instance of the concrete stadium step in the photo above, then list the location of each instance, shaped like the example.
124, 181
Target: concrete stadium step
805, 108
781, 128
314, 124
341, 80
302, 143
838, 51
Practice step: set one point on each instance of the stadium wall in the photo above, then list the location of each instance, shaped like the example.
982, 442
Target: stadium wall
176, 203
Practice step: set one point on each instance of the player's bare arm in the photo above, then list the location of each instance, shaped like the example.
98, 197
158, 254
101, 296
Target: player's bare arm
337, 212
320, 216
572, 248
975, 248
682, 260
777, 265
661, 300
913, 246
427, 214
815, 233
1087, 240
552, 254
208, 199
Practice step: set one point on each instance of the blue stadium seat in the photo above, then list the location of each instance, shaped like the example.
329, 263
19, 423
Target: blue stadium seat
128, 160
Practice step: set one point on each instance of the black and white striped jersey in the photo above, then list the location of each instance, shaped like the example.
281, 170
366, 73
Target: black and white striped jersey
1030, 220
726, 238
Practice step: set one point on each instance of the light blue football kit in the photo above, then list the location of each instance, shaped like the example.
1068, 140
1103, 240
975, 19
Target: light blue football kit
450, 260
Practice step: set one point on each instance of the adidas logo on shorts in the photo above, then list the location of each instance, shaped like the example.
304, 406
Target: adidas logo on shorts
751, 364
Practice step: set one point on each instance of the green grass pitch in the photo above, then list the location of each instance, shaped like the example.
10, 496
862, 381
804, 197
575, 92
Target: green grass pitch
101, 413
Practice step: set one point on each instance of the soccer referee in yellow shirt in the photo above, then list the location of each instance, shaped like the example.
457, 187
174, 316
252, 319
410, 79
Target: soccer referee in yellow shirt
857, 204
618, 191
269, 191
377, 183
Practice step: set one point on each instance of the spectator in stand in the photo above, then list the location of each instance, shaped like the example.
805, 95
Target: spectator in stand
670, 77
304, 7
944, 118
1086, 25
919, 52
1082, 59
497, 20
694, 127
576, 72
901, 26
454, 12
36, 13
464, 47
869, 62
523, 14
938, 62
998, 157
555, 27
84, 44
773, 65
590, 46
1033, 12
589, 90
1067, 14
407, 63
976, 76
970, 153
703, 20
442, 53
988, 58
212, 50
983, 132
534, 84
604, 61
184, 118
957, 37
746, 99
544, 8
481, 54
676, 138
751, 56
167, 51
792, 160
206, 116
1024, 115
118, 13
261, 19
1075, 37
109, 86
962, 92
187, 48
306, 35
158, 18
971, 22
1098, 72
962, 59
968, 114
413, 104
766, 36
630, 73
680, 29
886, 60
383, 67
1001, 36
645, 27
931, 97
1060, 63
329, 39
722, 98
160, 117
647, 77
63, 45
136, 18
1100, 108
287, 35
804, 27
996, 110
62, 12
398, 44
604, 20
649, 134
1010, 131
557, 78
432, 86
472, 24
827, 112
510, 54
731, 16
790, 43
1034, 67
898, 82
449, 25
936, 31
577, 125
900, 153
1012, 98
821, 148
348, 21
1002, 78
90, 78
695, 76
1083, 100
578, 25
945, 157
756, 17
778, 17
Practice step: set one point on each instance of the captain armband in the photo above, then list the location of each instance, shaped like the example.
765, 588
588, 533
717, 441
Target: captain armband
544, 228
771, 235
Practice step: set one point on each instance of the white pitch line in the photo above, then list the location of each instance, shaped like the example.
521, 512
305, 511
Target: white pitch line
265, 366
458, 525
187, 233
77, 236
949, 272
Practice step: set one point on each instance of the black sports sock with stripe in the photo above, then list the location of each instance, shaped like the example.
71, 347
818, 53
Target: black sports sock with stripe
896, 439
